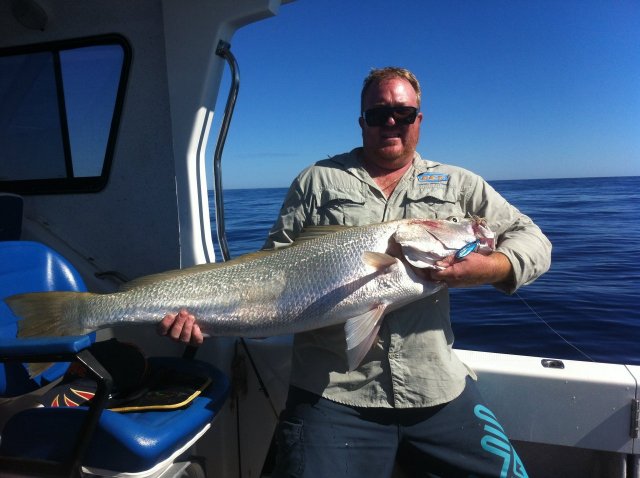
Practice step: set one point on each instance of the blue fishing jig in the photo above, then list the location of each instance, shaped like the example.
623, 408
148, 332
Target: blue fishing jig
468, 249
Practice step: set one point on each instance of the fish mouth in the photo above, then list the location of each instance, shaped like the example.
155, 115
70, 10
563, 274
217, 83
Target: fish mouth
487, 245
485, 236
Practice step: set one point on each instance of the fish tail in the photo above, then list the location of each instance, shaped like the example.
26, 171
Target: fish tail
49, 314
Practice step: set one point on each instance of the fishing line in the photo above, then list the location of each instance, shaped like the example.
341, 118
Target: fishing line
263, 387
552, 329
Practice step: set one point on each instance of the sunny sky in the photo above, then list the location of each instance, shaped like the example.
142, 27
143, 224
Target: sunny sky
512, 89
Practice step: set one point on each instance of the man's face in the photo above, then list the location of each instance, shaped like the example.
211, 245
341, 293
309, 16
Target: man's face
392, 145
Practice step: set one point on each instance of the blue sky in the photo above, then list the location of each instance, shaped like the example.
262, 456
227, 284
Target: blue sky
512, 89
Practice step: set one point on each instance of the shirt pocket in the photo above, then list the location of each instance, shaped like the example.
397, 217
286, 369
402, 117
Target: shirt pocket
339, 207
433, 203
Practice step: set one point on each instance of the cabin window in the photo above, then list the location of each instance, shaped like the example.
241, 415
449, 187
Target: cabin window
59, 110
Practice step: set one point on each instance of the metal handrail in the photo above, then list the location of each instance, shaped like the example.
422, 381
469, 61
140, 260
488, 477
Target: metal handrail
224, 50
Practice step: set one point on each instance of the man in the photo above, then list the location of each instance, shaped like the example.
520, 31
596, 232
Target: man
411, 399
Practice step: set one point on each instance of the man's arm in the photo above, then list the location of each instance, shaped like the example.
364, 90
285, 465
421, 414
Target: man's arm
519, 240
291, 218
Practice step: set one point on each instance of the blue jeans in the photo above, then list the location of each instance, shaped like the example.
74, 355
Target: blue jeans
319, 438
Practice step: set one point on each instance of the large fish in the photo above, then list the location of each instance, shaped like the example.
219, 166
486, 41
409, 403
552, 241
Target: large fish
354, 275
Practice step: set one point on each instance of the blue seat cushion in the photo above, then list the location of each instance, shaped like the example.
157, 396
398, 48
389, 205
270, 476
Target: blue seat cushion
27, 266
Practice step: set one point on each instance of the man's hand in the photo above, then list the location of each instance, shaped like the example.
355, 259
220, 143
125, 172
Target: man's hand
475, 269
181, 327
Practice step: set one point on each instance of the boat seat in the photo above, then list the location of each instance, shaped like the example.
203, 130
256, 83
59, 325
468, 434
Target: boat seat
86, 440
30, 267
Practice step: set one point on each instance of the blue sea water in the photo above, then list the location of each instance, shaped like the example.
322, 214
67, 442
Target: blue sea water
585, 308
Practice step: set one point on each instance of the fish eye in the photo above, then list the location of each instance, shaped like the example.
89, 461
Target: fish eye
453, 219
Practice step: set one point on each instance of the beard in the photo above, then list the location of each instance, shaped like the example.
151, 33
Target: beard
390, 155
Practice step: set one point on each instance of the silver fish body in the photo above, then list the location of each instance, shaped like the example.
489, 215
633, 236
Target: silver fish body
312, 285
353, 276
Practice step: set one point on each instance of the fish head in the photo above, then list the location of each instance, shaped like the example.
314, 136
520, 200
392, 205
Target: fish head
423, 242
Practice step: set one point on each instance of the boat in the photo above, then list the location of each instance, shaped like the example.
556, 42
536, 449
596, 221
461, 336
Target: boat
117, 185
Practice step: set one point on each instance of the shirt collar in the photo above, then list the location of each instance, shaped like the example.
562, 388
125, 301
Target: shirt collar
350, 162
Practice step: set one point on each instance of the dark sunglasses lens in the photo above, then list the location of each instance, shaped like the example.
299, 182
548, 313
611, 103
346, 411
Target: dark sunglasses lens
401, 115
376, 116
405, 115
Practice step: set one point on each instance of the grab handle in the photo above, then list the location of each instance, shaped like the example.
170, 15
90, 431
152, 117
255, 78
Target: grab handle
224, 50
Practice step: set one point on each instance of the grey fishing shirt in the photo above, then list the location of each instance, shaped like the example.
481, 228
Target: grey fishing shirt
412, 363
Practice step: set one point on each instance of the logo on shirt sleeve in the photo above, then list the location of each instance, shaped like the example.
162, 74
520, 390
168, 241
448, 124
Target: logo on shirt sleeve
432, 178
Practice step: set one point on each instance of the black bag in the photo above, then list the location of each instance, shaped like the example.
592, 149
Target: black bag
136, 385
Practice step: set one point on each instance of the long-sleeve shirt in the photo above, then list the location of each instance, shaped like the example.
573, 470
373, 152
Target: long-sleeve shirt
412, 364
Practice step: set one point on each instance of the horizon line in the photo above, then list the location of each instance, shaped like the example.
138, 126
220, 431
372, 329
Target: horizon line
488, 180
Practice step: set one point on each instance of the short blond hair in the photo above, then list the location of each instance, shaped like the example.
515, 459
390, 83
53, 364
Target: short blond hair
376, 75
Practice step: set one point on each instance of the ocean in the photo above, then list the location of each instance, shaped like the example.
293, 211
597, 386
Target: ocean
586, 307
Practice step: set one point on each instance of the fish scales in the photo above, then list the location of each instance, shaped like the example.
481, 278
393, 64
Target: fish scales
253, 299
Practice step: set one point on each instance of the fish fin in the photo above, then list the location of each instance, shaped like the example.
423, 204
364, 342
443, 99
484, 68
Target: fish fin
378, 260
166, 275
360, 333
44, 314
314, 232
309, 233
197, 269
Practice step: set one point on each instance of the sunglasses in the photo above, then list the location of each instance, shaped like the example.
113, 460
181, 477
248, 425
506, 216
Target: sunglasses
401, 115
